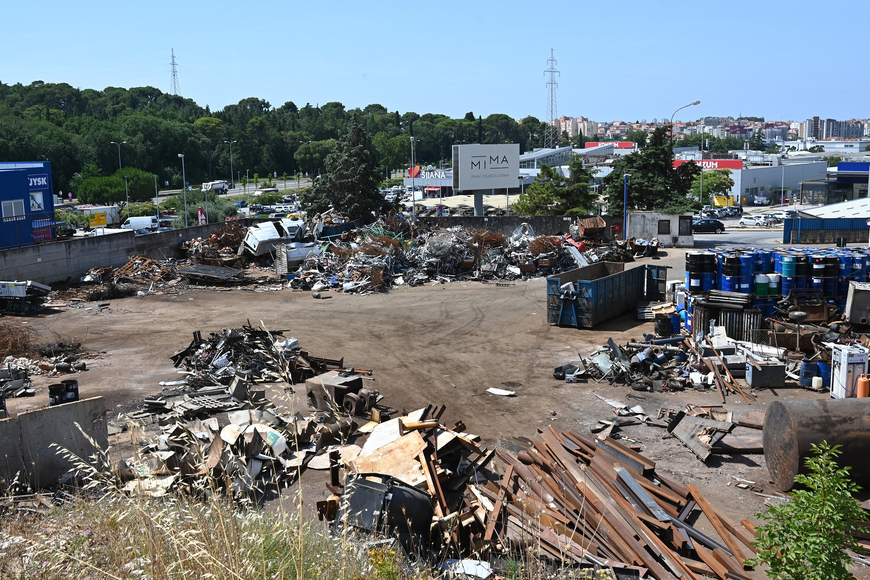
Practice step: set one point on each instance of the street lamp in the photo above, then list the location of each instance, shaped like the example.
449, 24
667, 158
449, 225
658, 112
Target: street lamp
127, 193
183, 187
231, 158
413, 188
625, 207
119, 152
672, 123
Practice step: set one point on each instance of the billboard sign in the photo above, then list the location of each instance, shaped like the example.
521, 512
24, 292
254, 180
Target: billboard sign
616, 144
714, 163
97, 219
485, 166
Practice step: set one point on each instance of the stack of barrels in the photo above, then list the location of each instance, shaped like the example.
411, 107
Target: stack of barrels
771, 274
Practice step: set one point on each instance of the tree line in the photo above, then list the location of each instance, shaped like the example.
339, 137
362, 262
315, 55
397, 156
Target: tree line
74, 130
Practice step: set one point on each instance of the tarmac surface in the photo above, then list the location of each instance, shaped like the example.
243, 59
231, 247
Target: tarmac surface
441, 344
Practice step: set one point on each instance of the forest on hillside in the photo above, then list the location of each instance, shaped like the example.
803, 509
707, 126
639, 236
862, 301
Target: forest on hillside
75, 129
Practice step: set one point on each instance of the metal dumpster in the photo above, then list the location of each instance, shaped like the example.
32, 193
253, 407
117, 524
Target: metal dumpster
586, 296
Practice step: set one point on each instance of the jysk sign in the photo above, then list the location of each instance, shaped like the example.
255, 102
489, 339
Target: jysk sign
485, 166
37, 181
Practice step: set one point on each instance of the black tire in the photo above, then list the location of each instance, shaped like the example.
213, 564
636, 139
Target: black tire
718, 230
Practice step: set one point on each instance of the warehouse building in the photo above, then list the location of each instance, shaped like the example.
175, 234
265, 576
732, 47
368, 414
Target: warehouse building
26, 204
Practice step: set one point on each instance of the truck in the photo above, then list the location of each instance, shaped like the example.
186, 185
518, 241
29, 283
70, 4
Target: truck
216, 186
102, 215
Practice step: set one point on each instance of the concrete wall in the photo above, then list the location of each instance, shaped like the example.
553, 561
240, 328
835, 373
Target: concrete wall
42, 428
645, 225
548, 225
11, 461
63, 260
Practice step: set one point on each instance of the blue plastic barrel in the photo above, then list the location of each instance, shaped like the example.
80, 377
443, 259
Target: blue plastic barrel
809, 369
765, 262
825, 373
730, 283
786, 285
747, 264
708, 281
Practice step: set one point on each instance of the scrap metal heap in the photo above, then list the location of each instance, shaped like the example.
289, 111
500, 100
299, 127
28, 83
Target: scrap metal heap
376, 258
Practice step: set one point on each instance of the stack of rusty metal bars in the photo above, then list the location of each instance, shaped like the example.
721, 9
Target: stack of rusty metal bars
587, 500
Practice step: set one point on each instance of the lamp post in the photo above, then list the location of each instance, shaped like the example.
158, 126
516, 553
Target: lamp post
183, 186
672, 123
127, 193
413, 188
625, 207
231, 158
119, 151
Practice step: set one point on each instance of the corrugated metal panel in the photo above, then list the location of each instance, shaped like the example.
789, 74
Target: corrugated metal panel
837, 224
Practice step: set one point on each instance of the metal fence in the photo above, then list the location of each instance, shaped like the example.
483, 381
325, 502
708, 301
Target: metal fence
26, 230
801, 225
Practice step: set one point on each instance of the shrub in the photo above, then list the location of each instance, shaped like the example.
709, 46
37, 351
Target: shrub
808, 537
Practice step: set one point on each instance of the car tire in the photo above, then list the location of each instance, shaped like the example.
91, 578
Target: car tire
718, 230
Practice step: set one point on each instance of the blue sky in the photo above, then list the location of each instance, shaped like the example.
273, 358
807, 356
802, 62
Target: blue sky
625, 60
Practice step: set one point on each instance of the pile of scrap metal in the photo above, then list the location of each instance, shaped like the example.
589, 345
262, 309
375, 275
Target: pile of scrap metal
254, 447
15, 382
677, 363
263, 354
255, 452
219, 249
570, 498
375, 258
712, 430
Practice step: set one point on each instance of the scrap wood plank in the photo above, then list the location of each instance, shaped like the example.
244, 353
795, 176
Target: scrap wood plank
494, 514
397, 458
434, 485
711, 514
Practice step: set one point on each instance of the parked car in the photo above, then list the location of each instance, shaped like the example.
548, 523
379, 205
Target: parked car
762, 200
241, 203
772, 218
754, 220
141, 232
708, 226
277, 215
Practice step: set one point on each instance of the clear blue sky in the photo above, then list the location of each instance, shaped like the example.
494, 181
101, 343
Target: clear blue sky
628, 60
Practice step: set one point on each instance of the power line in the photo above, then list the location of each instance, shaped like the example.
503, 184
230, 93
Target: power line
175, 88
551, 137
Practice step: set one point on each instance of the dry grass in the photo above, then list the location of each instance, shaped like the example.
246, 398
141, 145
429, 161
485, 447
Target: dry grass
15, 340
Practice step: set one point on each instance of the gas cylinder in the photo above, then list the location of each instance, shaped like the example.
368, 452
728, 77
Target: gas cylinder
863, 386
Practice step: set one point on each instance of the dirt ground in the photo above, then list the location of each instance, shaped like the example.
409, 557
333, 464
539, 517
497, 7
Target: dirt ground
439, 344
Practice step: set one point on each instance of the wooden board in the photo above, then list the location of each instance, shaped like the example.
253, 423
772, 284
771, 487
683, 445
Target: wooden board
397, 458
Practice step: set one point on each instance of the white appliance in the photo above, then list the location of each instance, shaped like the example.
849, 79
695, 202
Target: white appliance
847, 364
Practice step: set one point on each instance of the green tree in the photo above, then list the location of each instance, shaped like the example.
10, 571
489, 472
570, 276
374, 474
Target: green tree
756, 142
807, 537
552, 194
350, 180
638, 137
816, 149
716, 182
655, 183
833, 161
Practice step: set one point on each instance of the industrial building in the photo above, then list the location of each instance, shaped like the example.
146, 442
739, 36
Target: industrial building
27, 204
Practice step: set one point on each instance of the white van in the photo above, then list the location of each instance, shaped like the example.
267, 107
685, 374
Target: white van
140, 223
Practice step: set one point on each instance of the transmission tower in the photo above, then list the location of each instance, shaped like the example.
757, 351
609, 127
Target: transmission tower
551, 137
175, 87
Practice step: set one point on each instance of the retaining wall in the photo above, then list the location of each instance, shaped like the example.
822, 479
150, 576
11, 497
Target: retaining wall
64, 260
27, 441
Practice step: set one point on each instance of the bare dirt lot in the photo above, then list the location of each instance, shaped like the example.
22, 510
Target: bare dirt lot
442, 344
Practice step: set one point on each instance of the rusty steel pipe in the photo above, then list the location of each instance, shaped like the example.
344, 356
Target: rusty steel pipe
790, 427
